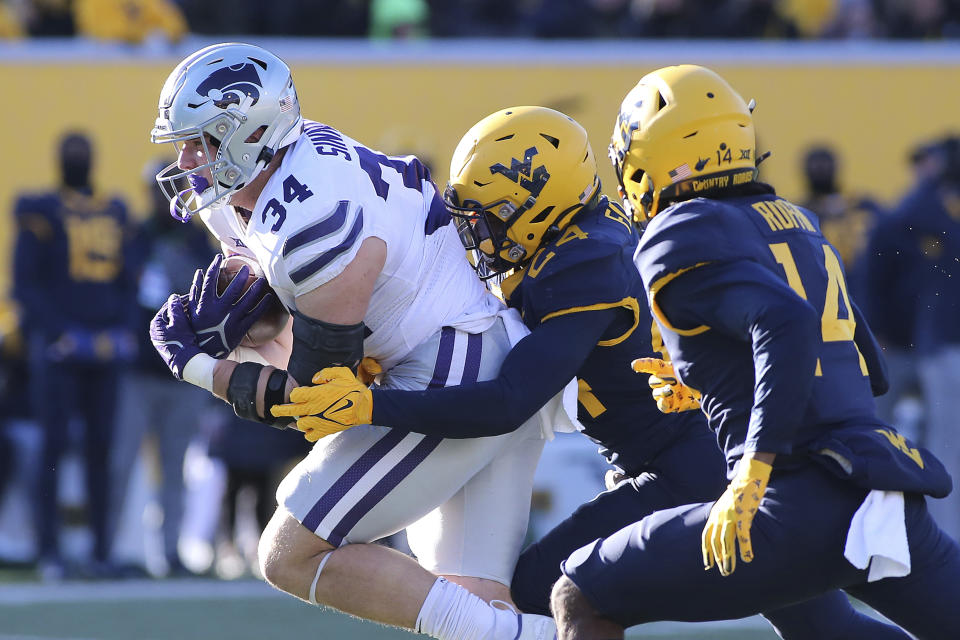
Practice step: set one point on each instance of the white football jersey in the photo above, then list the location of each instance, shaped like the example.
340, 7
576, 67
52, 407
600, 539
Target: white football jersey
328, 195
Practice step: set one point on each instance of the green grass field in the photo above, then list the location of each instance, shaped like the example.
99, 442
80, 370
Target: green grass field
237, 610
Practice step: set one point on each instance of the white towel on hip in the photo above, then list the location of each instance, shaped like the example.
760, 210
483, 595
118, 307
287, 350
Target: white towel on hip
878, 536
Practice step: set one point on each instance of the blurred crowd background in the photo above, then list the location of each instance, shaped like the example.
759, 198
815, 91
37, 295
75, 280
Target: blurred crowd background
111, 468
135, 20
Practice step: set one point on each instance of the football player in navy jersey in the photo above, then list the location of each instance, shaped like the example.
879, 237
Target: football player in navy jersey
524, 187
74, 275
752, 305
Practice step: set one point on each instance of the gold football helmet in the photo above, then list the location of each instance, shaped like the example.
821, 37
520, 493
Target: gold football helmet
517, 178
682, 130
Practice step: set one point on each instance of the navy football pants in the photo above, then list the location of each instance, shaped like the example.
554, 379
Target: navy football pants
691, 470
652, 570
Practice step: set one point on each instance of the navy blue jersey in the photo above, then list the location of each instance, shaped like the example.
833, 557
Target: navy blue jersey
583, 300
754, 308
588, 268
73, 263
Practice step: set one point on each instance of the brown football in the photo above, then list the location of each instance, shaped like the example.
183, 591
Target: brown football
272, 322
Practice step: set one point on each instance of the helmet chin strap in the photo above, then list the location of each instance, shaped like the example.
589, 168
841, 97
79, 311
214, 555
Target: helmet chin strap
178, 207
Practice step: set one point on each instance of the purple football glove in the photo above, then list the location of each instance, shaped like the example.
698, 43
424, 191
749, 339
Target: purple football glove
172, 336
221, 321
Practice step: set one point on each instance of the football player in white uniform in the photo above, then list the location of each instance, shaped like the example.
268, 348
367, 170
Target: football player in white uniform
361, 250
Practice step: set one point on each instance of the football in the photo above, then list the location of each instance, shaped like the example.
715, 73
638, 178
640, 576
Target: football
273, 321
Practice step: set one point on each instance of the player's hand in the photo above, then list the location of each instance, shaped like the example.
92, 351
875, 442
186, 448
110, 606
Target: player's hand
672, 396
172, 336
336, 402
222, 320
728, 525
368, 370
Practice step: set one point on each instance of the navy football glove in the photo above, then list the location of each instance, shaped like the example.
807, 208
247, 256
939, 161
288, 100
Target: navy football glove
220, 321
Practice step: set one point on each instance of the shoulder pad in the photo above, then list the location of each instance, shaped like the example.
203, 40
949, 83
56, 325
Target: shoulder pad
685, 236
43, 203
598, 271
596, 234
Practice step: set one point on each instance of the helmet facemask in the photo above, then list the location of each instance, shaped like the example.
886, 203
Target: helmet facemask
483, 232
202, 191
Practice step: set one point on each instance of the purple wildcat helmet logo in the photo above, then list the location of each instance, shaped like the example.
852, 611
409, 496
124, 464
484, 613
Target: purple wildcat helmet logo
229, 85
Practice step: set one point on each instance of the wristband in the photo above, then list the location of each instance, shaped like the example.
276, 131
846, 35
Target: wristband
242, 390
199, 371
275, 394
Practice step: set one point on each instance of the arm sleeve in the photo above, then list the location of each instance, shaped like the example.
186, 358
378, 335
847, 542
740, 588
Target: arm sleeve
30, 273
535, 370
871, 352
745, 301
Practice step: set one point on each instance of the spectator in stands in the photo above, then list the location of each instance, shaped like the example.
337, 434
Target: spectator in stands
151, 401
11, 23
915, 19
256, 460
929, 226
43, 18
13, 379
845, 219
890, 301
399, 19
74, 281
130, 21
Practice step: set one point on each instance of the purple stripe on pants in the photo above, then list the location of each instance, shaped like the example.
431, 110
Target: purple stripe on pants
471, 372
383, 446
364, 463
382, 488
441, 371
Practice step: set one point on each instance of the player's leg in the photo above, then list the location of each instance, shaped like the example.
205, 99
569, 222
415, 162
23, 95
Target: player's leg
940, 377
927, 601
369, 482
53, 393
177, 423
691, 470
653, 570
829, 617
576, 617
369, 580
474, 537
136, 408
97, 403
361, 579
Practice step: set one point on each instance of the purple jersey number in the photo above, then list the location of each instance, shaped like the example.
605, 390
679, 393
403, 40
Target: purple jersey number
413, 173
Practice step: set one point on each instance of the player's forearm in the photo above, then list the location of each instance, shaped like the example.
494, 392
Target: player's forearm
473, 411
533, 372
224, 369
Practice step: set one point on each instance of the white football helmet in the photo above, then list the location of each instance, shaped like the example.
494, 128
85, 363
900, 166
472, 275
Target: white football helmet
229, 91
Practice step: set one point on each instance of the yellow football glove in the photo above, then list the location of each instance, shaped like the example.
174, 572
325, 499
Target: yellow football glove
672, 396
336, 402
732, 515
368, 370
